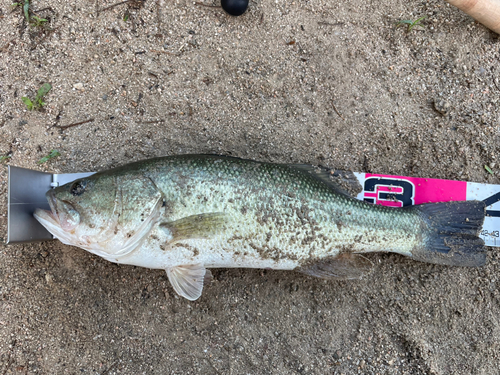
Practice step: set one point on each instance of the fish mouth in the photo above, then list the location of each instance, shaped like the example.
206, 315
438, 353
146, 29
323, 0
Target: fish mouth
45, 215
51, 220
62, 214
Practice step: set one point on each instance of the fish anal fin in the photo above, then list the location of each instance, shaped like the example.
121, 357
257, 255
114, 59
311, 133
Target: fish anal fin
344, 267
188, 280
195, 226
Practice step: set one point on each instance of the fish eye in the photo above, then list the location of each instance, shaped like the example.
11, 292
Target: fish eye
78, 187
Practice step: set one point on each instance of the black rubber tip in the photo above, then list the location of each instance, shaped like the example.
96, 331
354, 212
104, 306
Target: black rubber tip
234, 7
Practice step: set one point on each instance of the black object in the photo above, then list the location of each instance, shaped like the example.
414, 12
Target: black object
234, 7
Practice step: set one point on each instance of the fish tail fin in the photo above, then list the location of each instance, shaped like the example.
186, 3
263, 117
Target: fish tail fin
452, 235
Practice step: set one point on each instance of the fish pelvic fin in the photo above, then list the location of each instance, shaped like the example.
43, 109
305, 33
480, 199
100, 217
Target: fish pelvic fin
196, 226
452, 235
188, 280
344, 267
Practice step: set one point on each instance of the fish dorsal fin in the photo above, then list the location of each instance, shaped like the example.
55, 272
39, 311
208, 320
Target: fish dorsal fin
345, 266
331, 178
195, 226
188, 280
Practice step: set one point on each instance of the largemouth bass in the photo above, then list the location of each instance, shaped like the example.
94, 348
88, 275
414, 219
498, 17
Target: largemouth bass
188, 213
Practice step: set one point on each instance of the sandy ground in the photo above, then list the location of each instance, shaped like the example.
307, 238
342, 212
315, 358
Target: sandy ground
305, 81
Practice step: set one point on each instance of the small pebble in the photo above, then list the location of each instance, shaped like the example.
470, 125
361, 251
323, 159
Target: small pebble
442, 106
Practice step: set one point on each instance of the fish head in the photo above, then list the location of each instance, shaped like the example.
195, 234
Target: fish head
106, 214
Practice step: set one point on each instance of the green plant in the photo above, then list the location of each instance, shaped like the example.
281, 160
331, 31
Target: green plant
488, 169
38, 21
28, 102
4, 158
411, 24
38, 103
52, 154
33, 20
26, 9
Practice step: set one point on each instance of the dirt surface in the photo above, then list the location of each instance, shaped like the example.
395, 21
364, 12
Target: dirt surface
322, 82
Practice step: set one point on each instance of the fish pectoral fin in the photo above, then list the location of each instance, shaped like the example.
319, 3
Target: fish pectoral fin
195, 226
188, 280
344, 266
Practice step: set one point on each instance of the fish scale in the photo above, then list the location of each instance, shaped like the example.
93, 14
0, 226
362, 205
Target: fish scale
192, 212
